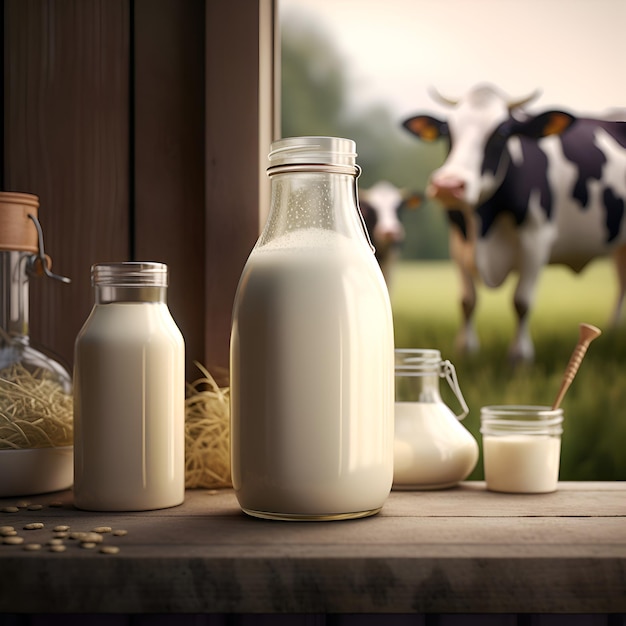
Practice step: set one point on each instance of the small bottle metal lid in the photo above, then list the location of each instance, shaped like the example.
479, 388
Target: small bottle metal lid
330, 153
129, 274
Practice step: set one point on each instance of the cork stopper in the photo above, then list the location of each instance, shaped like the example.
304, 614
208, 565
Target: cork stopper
17, 229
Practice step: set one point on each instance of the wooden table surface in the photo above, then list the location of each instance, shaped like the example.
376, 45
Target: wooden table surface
462, 550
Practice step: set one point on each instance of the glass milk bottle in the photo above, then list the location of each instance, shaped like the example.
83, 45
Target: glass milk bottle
432, 449
312, 348
129, 394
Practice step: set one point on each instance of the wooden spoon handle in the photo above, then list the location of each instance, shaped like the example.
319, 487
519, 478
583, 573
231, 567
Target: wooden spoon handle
587, 334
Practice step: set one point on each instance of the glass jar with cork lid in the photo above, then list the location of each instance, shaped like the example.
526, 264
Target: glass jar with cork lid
36, 421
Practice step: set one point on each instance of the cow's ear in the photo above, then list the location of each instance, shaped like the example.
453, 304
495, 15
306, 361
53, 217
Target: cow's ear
426, 127
413, 200
544, 124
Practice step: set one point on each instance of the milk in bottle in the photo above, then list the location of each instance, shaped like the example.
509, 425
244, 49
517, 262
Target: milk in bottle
312, 348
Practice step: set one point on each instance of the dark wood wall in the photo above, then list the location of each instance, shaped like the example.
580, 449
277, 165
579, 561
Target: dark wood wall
138, 124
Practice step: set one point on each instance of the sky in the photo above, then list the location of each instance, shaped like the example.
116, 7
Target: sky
573, 50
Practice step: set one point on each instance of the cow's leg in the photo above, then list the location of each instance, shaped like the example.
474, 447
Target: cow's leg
535, 247
522, 348
619, 256
467, 338
462, 253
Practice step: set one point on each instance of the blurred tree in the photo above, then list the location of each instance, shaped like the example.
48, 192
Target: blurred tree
315, 101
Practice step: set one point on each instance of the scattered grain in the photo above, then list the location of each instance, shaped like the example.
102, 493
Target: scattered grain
61, 528
34, 526
57, 548
120, 533
10, 509
88, 545
55, 542
31, 547
13, 541
102, 530
109, 549
35, 507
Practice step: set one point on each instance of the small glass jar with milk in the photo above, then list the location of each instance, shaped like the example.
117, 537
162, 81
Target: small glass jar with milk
312, 348
432, 449
129, 394
521, 447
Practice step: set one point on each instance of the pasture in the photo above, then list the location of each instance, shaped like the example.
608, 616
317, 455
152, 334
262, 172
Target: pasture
424, 297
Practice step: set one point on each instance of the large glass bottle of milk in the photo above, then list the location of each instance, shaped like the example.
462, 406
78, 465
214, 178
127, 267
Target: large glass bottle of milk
312, 348
129, 394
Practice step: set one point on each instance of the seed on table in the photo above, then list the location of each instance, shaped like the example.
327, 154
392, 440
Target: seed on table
55, 542
61, 528
13, 541
34, 526
86, 536
57, 548
120, 533
35, 507
10, 509
7, 531
32, 546
62, 535
88, 545
22, 504
109, 549
102, 529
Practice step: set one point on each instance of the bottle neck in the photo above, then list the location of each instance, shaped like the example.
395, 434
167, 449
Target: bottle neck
14, 292
109, 294
422, 388
318, 200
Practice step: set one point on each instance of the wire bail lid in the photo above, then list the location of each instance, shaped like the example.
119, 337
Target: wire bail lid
422, 362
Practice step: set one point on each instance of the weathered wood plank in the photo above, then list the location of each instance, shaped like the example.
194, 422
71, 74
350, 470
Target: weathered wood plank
168, 136
66, 140
207, 556
239, 40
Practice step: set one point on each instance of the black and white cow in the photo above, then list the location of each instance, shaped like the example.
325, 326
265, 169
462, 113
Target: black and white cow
380, 206
523, 191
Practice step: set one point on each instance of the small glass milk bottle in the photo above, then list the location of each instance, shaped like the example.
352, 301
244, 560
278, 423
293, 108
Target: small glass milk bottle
312, 348
129, 394
432, 449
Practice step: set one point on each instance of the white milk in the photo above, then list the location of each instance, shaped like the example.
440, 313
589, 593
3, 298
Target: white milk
129, 411
312, 379
432, 449
521, 463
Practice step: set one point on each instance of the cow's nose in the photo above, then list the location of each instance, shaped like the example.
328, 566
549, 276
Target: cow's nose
447, 188
389, 236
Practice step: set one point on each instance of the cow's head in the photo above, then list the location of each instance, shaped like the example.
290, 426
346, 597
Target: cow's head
478, 129
381, 205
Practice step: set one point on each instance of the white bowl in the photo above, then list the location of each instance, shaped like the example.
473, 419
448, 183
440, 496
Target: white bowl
35, 470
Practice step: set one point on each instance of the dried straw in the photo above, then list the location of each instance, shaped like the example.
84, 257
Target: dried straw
207, 434
35, 410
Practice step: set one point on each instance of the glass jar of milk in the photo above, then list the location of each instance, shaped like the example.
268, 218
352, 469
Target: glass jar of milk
312, 348
432, 449
521, 447
129, 394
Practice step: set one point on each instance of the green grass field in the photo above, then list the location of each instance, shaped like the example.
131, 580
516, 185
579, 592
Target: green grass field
427, 315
